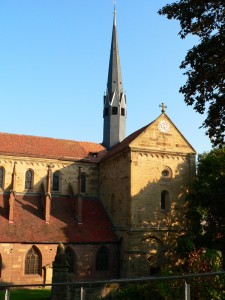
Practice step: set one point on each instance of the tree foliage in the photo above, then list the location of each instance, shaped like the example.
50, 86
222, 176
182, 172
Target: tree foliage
197, 261
207, 201
204, 64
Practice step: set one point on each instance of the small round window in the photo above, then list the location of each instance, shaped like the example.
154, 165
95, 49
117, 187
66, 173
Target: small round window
166, 173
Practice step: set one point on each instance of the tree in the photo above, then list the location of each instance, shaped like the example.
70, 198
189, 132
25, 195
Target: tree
206, 202
204, 64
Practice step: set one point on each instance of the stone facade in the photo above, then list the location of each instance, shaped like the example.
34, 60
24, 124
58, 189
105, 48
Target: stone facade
119, 207
141, 183
13, 263
13, 254
143, 190
69, 174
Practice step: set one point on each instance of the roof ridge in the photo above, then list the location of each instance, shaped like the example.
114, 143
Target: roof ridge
122, 145
46, 137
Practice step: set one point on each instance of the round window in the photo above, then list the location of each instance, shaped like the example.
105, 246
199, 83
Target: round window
166, 173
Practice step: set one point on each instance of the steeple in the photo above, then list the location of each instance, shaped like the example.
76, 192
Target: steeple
114, 113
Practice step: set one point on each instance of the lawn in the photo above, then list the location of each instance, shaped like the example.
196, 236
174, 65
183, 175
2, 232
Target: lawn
27, 294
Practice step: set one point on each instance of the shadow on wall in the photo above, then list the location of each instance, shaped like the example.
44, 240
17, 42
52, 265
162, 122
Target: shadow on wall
2, 267
161, 203
155, 216
84, 235
158, 208
33, 199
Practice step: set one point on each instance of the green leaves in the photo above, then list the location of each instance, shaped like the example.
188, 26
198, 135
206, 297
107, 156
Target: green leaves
206, 205
204, 64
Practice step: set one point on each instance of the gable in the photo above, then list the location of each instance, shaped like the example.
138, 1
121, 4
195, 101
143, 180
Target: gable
162, 135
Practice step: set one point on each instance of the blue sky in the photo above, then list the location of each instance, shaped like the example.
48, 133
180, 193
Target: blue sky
54, 57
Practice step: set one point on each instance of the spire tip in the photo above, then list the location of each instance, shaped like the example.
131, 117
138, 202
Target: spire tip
114, 12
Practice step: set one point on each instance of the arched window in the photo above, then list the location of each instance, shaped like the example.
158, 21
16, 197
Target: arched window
33, 261
2, 173
112, 203
56, 178
102, 259
165, 203
71, 259
28, 179
0, 266
155, 255
83, 183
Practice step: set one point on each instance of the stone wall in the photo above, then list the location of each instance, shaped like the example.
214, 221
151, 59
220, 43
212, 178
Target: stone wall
153, 174
115, 188
13, 263
69, 172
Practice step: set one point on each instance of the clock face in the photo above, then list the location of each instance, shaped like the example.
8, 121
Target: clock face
164, 126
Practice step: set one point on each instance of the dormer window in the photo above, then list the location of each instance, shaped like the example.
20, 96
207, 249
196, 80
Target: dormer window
94, 154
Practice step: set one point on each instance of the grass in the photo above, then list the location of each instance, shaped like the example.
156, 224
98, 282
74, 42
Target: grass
27, 294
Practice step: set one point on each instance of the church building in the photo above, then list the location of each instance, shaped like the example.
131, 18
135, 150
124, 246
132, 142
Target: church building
118, 207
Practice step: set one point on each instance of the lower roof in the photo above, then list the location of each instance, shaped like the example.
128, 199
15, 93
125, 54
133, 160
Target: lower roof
30, 227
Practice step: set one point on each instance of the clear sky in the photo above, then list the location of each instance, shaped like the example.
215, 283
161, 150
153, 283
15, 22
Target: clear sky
54, 57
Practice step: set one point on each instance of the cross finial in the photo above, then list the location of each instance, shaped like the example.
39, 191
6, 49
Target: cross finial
163, 107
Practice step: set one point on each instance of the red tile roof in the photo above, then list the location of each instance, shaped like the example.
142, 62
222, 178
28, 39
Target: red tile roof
34, 146
29, 224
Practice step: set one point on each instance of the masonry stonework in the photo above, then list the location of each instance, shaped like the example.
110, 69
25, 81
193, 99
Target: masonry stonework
154, 165
13, 258
69, 172
119, 206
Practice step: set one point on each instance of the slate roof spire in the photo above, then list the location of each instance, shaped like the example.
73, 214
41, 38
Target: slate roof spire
114, 100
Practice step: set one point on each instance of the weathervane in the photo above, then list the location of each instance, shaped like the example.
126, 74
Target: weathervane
163, 107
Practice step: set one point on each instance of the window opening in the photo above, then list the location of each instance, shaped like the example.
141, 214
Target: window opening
1, 177
114, 110
165, 205
28, 179
122, 111
55, 185
70, 259
163, 200
0, 266
102, 259
94, 154
32, 262
112, 203
166, 173
83, 183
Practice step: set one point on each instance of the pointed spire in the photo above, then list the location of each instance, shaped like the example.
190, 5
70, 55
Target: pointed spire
114, 20
114, 99
114, 83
